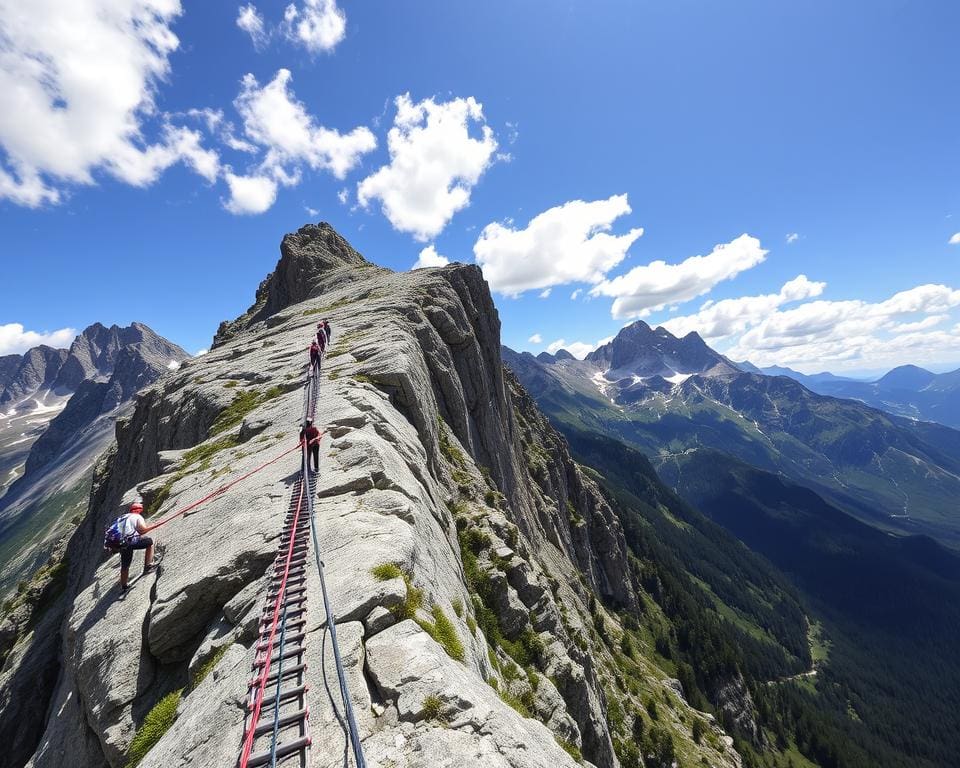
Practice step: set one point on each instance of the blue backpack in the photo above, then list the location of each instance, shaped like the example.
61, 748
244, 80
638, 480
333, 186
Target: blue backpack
113, 537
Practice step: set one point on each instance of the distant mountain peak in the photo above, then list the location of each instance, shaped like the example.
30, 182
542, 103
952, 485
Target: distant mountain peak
907, 377
642, 351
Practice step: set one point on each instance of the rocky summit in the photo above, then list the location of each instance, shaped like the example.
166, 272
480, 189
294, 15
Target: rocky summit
480, 580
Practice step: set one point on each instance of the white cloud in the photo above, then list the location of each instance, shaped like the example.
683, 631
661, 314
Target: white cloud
250, 194
434, 164
566, 244
15, 340
78, 83
430, 258
955, 239
536, 339
275, 122
173, 365
792, 238
645, 289
201, 352
576, 294
544, 294
721, 319
579, 349
343, 196
250, 21
854, 333
274, 119
311, 212
318, 26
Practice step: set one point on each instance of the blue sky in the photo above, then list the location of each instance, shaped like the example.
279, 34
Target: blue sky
155, 183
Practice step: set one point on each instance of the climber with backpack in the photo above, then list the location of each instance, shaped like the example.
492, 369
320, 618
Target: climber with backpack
125, 535
314, 355
326, 329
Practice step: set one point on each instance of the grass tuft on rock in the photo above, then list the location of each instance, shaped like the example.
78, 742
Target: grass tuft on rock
570, 749
387, 571
155, 724
432, 708
444, 633
411, 603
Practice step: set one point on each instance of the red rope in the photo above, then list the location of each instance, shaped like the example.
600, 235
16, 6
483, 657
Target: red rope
221, 489
262, 682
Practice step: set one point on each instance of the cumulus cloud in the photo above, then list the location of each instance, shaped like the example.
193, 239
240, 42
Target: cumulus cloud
654, 286
201, 352
279, 126
434, 164
78, 84
792, 238
274, 119
250, 194
545, 293
251, 21
317, 25
955, 239
721, 319
569, 243
536, 339
579, 349
430, 258
851, 333
15, 339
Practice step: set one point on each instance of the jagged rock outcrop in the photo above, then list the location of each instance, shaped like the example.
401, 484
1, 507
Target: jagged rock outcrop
23, 375
435, 463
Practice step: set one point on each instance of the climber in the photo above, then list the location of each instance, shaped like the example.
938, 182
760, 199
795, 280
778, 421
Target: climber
326, 329
124, 536
314, 355
311, 435
321, 338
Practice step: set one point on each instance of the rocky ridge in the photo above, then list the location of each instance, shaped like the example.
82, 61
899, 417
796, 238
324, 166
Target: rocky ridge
469, 559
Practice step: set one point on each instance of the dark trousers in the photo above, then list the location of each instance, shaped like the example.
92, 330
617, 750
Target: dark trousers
126, 551
314, 457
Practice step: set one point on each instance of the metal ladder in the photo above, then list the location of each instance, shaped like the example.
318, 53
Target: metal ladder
281, 737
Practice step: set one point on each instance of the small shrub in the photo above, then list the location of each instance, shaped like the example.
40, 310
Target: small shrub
458, 607
387, 571
411, 603
432, 708
155, 724
444, 633
243, 402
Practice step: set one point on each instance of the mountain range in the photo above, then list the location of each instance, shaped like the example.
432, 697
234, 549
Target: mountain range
907, 390
61, 407
668, 396
649, 558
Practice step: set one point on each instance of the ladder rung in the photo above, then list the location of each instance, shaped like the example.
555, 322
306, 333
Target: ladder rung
287, 639
262, 758
295, 651
293, 717
290, 693
272, 677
